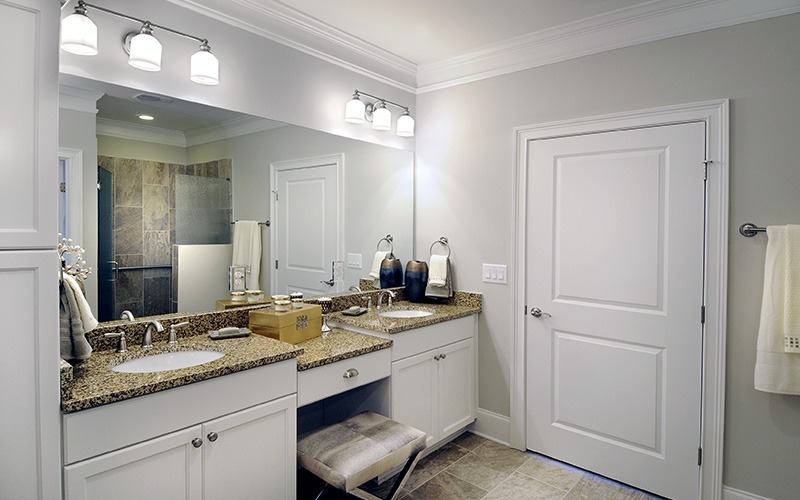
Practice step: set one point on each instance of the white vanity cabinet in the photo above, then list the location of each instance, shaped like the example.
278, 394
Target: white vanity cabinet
239, 441
434, 377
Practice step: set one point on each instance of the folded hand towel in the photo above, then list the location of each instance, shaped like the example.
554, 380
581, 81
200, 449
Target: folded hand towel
440, 282
376, 264
72, 330
247, 251
87, 317
778, 346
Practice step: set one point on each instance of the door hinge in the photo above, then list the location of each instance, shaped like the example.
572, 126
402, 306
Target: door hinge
276, 264
276, 195
63, 187
699, 456
526, 311
702, 315
706, 163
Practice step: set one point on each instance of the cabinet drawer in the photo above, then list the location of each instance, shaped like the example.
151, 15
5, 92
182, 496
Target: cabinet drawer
319, 383
423, 339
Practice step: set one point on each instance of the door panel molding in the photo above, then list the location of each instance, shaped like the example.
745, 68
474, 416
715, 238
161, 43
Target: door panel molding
715, 115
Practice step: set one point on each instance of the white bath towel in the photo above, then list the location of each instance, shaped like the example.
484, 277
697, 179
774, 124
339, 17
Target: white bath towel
74, 346
440, 278
87, 317
247, 251
376, 264
778, 352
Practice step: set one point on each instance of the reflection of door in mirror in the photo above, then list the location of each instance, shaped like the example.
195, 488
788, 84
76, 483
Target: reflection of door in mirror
307, 224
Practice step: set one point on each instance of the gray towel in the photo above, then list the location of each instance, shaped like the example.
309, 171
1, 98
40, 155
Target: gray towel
443, 292
74, 345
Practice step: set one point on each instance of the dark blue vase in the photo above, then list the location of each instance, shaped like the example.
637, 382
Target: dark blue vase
416, 280
391, 273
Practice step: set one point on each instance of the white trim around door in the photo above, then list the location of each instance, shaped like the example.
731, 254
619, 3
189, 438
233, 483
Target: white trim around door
715, 115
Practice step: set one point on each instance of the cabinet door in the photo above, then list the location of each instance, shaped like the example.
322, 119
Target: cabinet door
28, 125
252, 453
165, 467
414, 393
457, 405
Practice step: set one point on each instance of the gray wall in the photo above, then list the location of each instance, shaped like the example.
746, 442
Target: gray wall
465, 160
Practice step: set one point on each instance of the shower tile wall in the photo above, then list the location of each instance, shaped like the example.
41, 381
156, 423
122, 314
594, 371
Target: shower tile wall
144, 228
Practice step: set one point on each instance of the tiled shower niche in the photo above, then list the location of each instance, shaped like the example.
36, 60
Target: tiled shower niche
144, 227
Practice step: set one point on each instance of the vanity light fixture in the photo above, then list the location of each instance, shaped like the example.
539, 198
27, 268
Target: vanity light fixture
79, 36
376, 112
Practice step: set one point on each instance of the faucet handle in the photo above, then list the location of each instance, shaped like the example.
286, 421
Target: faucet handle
173, 332
123, 344
369, 302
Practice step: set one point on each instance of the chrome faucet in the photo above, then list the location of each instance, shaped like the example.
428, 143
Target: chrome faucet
354, 288
126, 314
380, 297
173, 332
147, 340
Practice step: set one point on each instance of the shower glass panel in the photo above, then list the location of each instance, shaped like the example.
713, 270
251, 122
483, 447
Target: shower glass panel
202, 210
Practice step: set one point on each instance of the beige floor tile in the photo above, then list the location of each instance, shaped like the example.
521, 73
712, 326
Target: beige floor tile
521, 487
552, 472
434, 463
469, 441
477, 471
592, 487
445, 486
503, 458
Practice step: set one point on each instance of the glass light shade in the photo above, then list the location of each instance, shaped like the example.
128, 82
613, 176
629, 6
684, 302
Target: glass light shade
145, 52
354, 111
205, 68
405, 125
79, 35
381, 118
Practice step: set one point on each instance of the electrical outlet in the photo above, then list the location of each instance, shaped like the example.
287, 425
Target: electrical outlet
354, 261
495, 273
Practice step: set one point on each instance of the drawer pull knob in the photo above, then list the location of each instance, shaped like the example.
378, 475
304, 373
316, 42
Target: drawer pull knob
197, 442
352, 372
212, 436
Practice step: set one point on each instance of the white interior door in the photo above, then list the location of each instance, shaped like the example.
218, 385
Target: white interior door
615, 243
308, 230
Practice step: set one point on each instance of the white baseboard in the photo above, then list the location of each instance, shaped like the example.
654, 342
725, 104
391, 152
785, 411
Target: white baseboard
729, 493
492, 426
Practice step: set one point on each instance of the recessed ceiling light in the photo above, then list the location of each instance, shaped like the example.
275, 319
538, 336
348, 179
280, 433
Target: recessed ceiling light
145, 117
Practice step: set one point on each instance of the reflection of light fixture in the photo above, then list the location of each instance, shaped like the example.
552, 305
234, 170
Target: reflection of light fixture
144, 117
79, 36
356, 111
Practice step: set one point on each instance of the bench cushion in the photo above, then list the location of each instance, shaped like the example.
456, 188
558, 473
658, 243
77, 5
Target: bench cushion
350, 453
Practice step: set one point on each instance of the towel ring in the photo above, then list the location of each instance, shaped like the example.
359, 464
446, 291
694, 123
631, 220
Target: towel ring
441, 241
388, 239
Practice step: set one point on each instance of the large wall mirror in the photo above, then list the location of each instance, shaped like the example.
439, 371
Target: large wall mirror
170, 188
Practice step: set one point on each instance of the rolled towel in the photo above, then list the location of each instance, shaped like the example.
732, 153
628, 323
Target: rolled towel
376, 264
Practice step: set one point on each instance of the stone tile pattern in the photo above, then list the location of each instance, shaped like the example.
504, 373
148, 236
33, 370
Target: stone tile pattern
340, 344
95, 384
65, 370
471, 467
144, 228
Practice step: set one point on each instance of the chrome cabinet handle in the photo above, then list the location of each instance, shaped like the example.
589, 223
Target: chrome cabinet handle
212, 436
442, 356
197, 442
352, 372
538, 313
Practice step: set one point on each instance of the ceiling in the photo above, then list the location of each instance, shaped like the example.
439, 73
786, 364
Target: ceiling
425, 45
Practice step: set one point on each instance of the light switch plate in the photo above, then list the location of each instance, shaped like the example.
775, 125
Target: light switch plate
495, 273
354, 260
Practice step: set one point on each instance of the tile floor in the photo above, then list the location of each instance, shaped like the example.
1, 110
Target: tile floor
471, 467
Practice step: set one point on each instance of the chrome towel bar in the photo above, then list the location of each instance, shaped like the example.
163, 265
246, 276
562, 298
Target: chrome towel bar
749, 229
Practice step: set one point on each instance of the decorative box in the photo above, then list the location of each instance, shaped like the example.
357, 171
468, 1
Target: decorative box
292, 326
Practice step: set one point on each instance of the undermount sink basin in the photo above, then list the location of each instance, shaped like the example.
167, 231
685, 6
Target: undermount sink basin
405, 313
167, 361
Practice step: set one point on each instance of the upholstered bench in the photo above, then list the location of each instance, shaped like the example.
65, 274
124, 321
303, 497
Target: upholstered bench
350, 453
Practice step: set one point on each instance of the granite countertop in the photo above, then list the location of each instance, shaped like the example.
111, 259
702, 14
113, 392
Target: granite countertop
340, 344
467, 305
94, 384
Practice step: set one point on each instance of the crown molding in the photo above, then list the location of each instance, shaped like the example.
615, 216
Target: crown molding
76, 99
230, 129
282, 24
646, 22
144, 133
642, 23
156, 135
